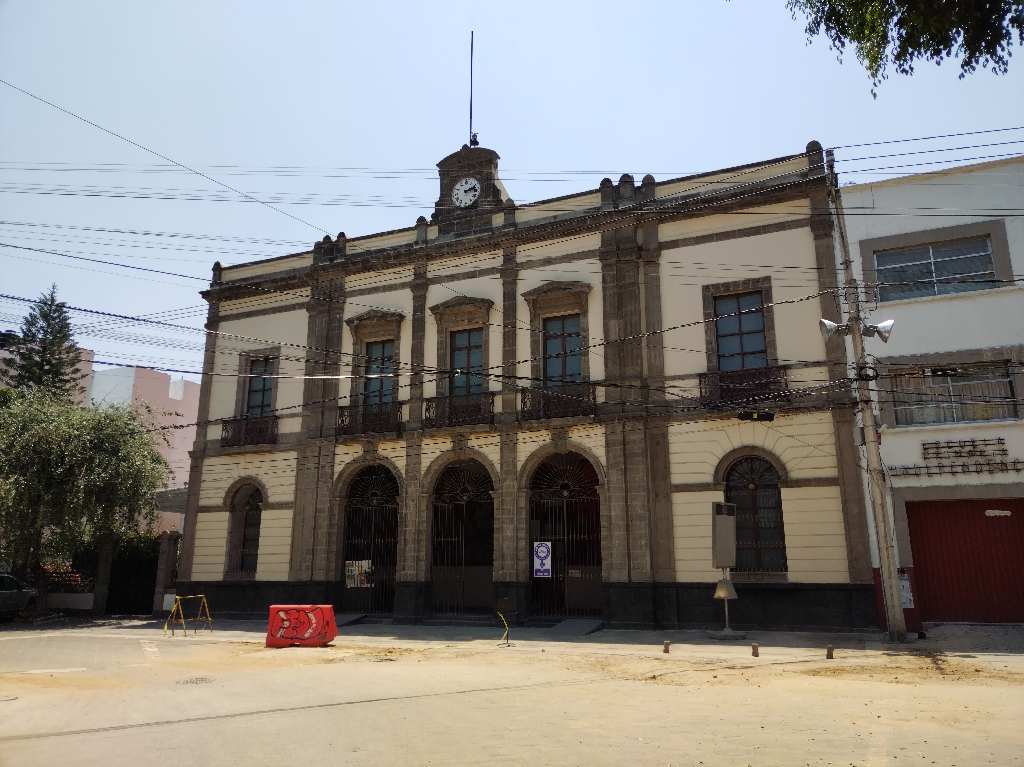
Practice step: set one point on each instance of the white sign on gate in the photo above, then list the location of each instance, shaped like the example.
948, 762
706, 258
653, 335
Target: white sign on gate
542, 559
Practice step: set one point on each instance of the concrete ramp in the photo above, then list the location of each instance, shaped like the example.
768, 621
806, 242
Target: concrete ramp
346, 619
576, 627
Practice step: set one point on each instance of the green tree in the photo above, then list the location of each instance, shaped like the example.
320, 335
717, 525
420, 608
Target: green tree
45, 355
902, 32
69, 475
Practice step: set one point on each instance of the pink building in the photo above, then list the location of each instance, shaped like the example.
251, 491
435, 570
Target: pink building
174, 402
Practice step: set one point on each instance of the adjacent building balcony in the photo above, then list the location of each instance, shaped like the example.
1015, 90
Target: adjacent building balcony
464, 410
376, 418
742, 388
563, 401
261, 430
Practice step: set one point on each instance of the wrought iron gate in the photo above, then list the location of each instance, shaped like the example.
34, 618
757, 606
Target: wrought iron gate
371, 541
565, 510
462, 564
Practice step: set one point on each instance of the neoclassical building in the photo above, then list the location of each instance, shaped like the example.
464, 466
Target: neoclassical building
395, 422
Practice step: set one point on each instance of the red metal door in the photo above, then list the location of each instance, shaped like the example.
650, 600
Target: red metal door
968, 559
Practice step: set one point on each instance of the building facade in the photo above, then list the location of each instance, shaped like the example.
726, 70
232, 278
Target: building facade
532, 408
947, 252
171, 404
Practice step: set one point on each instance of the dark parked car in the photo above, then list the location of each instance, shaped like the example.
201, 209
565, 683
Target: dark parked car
15, 597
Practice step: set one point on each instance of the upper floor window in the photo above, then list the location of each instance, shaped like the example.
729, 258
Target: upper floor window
467, 362
563, 358
740, 337
982, 392
379, 385
953, 266
259, 400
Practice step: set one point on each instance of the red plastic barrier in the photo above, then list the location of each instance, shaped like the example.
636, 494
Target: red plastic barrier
304, 625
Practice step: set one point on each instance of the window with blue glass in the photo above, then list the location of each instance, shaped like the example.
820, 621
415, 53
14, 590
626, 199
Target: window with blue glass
379, 385
739, 332
563, 355
467, 362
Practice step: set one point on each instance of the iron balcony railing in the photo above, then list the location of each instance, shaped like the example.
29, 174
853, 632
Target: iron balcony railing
561, 401
261, 430
743, 387
461, 410
376, 418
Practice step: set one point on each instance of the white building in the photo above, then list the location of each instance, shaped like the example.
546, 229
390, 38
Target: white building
947, 252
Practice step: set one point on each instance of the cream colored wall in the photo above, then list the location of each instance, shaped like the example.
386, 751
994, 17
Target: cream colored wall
445, 267
527, 442
717, 182
275, 545
272, 330
264, 300
275, 470
210, 546
585, 270
812, 516
564, 207
490, 445
804, 443
560, 247
376, 242
261, 268
685, 270
592, 438
382, 278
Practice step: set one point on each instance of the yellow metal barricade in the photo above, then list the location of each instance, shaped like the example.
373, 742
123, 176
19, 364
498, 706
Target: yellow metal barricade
203, 614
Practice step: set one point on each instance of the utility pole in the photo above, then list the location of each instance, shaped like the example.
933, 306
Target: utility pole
884, 533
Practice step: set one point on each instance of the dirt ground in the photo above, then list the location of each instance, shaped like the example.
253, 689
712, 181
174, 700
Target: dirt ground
122, 693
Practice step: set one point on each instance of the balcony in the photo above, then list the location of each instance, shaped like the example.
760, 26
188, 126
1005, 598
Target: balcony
378, 418
563, 401
458, 411
743, 387
260, 430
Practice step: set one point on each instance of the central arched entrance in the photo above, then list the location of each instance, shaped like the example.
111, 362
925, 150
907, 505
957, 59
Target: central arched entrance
565, 512
371, 541
462, 563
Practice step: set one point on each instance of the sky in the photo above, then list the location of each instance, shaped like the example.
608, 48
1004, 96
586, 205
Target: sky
338, 111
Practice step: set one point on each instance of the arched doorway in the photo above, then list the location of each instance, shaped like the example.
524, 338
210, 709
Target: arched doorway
752, 483
370, 551
565, 512
462, 562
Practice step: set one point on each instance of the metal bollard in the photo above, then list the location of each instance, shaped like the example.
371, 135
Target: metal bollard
755, 650
829, 653
666, 646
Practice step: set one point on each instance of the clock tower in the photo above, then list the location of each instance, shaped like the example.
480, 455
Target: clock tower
470, 191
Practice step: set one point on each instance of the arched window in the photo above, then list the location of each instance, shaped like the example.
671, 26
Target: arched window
753, 485
246, 515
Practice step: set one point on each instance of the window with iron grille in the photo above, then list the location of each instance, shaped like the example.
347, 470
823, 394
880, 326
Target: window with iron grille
753, 485
740, 337
563, 358
977, 392
259, 399
379, 386
467, 362
954, 266
251, 516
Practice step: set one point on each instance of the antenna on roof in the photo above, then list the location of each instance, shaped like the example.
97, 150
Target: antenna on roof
473, 140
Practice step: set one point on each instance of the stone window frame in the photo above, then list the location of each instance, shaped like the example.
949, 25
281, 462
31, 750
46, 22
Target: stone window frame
994, 229
557, 299
737, 287
1014, 355
370, 326
242, 386
236, 526
455, 314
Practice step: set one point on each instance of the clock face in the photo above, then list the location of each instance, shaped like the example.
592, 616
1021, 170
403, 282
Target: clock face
466, 191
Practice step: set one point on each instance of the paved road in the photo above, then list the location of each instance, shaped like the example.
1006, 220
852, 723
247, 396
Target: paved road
122, 693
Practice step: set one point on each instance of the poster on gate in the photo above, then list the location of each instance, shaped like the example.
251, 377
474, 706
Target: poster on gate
357, 574
542, 559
